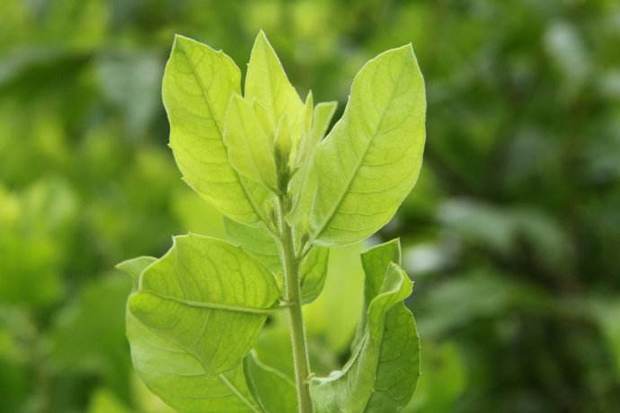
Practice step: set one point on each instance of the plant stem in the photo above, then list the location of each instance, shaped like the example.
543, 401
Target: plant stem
290, 264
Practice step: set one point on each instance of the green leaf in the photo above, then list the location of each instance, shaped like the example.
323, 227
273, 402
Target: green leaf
257, 242
443, 382
96, 315
249, 146
334, 315
134, 267
375, 260
273, 390
303, 184
197, 88
320, 120
195, 365
104, 401
180, 379
266, 81
371, 159
313, 272
204, 293
260, 244
383, 370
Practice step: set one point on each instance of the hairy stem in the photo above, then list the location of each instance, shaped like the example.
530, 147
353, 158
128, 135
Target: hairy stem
290, 264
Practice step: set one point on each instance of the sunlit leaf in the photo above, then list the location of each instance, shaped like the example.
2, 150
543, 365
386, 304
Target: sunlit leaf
382, 372
371, 159
194, 318
198, 85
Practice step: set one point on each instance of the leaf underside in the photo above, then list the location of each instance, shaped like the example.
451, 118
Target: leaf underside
382, 373
196, 314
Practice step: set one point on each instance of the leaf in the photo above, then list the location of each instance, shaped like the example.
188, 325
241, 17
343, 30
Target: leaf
302, 133
375, 261
181, 380
313, 272
198, 85
334, 315
303, 184
321, 118
257, 242
249, 146
371, 159
185, 375
273, 390
134, 267
104, 401
267, 83
95, 316
205, 295
443, 382
383, 370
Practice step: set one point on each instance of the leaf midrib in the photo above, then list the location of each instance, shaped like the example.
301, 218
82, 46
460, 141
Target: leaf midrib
209, 305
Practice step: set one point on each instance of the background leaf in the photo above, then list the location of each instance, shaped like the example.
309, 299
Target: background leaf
273, 390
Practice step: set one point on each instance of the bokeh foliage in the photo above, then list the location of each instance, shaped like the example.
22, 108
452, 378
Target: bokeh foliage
512, 233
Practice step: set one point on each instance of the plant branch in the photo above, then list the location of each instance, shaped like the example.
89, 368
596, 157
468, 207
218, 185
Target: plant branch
290, 263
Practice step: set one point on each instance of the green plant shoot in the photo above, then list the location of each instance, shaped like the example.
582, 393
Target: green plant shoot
288, 194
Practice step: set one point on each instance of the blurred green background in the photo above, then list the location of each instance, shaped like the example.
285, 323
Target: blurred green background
512, 233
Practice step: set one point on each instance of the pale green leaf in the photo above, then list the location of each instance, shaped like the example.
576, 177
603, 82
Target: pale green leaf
371, 159
197, 88
323, 114
443, 382
250, 148
375, 260
313, 272
175, 371
134, 267
256, 241
259, 243
181, 380
104, 401
96, 315
303, 184
334, 315
205, 294
383, 370
274, 391
320, 120
301, 132
266, 81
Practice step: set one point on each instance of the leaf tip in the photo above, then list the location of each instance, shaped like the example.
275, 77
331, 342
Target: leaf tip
180, 41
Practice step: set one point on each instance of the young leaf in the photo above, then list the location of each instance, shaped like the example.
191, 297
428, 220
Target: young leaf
321, 117
382, 373
313, 271
257, 242
334, 315
267, 83
134, 267
371, 159
303, 183
197, 88
375, 262
206, 295
273, 390
250, 148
